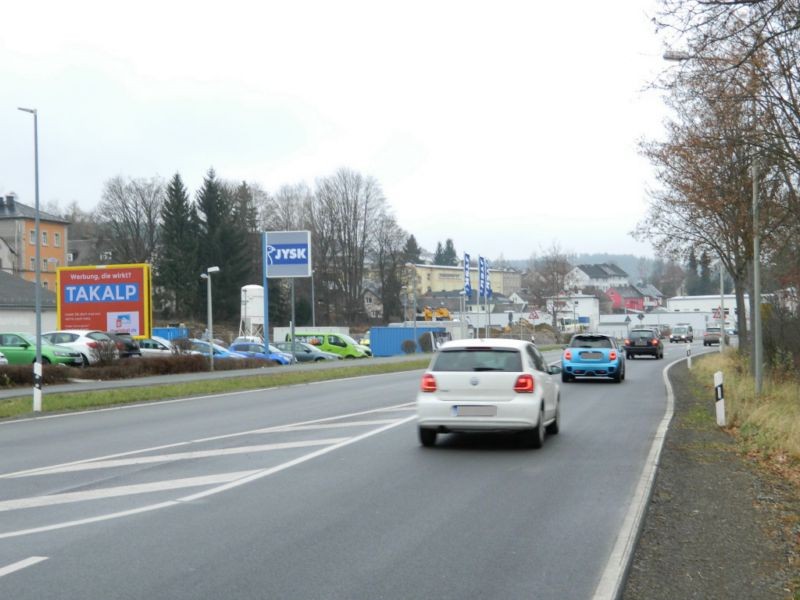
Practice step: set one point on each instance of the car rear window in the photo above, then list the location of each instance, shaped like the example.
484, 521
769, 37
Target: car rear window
642, 334
479, 359
590, 341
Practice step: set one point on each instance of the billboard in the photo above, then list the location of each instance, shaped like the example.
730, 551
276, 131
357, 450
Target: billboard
105, 297
287, 254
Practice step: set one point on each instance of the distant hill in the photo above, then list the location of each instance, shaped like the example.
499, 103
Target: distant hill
637, 267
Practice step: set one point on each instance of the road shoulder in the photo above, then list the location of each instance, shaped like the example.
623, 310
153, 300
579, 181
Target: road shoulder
716, 526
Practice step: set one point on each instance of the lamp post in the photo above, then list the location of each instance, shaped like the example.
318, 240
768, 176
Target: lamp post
313, 304
721, 307
209, 319
414, 291
757, 341
575, 316
37, 365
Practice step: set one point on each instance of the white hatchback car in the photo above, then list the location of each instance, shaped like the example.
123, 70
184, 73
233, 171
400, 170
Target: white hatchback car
93, 345
489, 385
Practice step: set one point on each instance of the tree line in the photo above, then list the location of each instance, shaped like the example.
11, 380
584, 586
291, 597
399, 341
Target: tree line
734, 130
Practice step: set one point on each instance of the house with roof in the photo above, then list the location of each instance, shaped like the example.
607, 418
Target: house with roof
624, 298
652, 297
602, 277
18, 305
18, 234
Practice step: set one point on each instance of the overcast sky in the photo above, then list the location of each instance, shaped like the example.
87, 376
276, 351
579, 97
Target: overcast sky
506, 126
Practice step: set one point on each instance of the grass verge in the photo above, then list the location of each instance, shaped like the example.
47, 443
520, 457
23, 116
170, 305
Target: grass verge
70, 401
768, 427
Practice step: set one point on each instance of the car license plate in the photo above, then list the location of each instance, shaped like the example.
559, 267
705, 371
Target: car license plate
591, 355
641, 342
475, 411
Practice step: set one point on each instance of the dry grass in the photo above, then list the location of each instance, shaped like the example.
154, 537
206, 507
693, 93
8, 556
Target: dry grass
768, 427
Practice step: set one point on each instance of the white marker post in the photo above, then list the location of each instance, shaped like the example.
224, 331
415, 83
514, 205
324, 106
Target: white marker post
689, 356
720, 399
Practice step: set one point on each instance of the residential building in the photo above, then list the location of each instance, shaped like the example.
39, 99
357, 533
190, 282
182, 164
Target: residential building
18, 234
624, 298
652, 297
18, 305
440, 278
602, 276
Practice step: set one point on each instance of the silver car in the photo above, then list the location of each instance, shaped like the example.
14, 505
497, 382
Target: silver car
489, 385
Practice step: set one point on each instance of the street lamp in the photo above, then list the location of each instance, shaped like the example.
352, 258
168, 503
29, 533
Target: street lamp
37, 365
575, 316
209, 320
721, 307
414, 291
313, 304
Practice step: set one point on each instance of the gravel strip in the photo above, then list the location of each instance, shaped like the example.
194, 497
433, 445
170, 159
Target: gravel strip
716, 526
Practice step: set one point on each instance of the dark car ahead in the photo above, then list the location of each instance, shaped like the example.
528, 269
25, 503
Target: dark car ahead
127, 346
644, 342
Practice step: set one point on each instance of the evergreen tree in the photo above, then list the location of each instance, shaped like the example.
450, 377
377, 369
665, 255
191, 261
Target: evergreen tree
449, 255
706, 278
438, 255
693, 283
177, 268
412, 252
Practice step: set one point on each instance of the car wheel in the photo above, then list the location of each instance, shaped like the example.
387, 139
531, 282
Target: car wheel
45, 360
565, 377
554, 427
534, 438
85, 360
319, 359
629, 356
617, 376
623, 373
427, 437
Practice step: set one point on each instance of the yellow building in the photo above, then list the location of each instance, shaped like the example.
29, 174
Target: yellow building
438, 278
18, 241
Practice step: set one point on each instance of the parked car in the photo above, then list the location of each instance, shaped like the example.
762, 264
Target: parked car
489, 385
682, 333
157, 346
128, 347
713, 334
337, 343
306, 352
20, 349
592, 355
3, 359
644, 342
92, 345
259, 350
220, 352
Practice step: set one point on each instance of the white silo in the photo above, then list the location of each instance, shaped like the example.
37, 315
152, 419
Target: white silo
252, 311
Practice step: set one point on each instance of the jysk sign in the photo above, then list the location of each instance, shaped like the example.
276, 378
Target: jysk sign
287, 254
106, 298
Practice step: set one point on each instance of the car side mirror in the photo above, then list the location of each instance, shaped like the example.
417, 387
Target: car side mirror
554, 369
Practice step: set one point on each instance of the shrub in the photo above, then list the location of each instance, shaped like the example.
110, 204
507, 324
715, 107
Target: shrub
408, 346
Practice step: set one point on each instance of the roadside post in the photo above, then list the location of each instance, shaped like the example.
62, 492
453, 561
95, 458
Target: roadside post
720, 399
689, 356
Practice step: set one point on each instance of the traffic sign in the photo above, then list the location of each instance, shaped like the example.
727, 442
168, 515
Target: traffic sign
640, 316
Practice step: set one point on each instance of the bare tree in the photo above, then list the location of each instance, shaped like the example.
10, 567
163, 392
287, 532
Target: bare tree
130, 210
547, 279
347, 206
388, 259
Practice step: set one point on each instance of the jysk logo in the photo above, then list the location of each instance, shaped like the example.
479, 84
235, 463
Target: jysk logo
287, 254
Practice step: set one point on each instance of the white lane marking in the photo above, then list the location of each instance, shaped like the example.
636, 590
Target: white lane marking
167, 504
292, 463
199, 441
152, 403
616, 569
144, 460
333, 425
17, 566
124, 490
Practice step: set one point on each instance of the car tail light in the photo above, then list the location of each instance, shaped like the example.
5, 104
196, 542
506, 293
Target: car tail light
92, 345
524, 384
568, 354
655, 342
627, 342
612, 355
428, 383
120, 346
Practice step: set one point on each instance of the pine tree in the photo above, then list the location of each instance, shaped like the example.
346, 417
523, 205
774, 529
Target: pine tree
177, 268
449, 255
412, 252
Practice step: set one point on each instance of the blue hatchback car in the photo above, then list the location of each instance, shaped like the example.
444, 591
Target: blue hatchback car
592, 355
256, 350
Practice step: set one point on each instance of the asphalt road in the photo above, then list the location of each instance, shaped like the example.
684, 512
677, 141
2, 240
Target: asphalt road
319, 491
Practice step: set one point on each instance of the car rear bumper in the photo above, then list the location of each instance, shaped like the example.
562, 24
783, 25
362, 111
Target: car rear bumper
518, 414
644, 350
591, 369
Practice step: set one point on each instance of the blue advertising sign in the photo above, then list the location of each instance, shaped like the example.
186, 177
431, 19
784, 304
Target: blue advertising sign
488, 281
467, 282
287, 254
